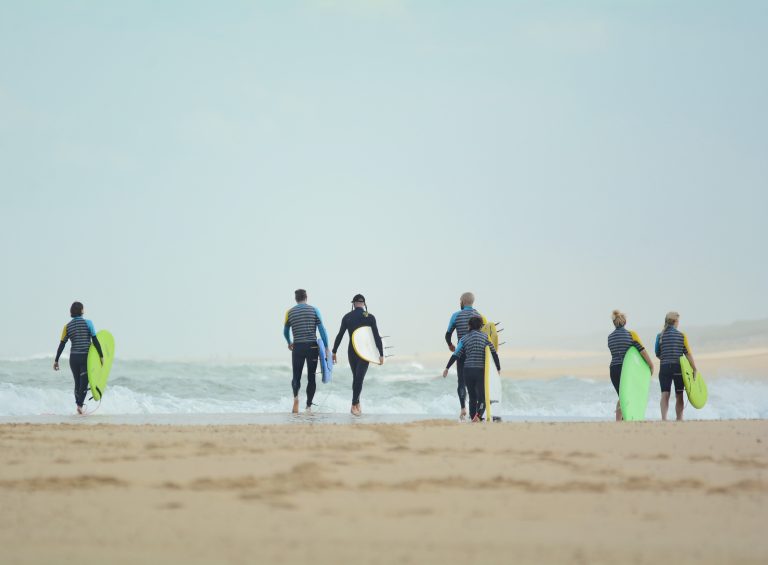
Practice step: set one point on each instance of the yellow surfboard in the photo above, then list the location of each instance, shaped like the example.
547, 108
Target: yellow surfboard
695, 387
492, 378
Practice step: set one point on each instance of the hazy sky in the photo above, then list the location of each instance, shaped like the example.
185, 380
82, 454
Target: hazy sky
182, 167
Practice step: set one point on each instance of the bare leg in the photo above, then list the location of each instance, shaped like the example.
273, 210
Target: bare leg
619, 416
679, 405
664, 405
295, 405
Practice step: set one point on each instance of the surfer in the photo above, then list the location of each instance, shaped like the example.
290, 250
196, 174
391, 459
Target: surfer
458, 323
471, 350
357, 318
619, 341
81, 333
304, 321
671, 344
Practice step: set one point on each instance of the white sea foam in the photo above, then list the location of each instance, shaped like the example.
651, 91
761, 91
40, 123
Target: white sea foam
150, 388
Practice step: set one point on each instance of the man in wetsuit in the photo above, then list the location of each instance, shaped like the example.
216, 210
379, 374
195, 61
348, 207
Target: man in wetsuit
357, 318
81, 333
471, 349
459, 324
304, 321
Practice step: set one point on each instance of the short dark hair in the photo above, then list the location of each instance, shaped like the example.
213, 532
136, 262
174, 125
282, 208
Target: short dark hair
76, 309
475, 323
301, 294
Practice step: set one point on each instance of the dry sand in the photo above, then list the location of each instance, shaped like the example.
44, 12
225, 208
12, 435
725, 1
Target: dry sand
427, 492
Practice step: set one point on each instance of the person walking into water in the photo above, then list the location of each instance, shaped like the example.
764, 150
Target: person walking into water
459, 323
471, 349
304, 321
619, 341
80, 333
671, 344
357, 318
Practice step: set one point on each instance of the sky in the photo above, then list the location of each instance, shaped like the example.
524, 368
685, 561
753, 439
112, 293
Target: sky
182, 167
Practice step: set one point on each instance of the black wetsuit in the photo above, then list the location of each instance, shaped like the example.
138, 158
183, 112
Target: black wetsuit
357, 318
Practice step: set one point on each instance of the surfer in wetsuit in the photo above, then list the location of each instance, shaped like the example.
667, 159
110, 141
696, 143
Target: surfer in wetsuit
81, 333
671, 344
619, 341
357, 318
471, 350
458, 323
304, 321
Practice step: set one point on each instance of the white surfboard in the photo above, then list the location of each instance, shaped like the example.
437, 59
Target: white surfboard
365, 346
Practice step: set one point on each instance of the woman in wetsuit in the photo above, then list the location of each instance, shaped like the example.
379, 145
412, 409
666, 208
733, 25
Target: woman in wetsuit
619, 341
80, 332
357, 318
671, 344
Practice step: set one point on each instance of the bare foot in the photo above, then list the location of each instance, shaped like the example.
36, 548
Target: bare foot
463, 415
295, 406
308, 410
80, 410
355, 411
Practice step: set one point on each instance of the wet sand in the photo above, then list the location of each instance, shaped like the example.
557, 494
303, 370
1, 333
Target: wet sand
424, 492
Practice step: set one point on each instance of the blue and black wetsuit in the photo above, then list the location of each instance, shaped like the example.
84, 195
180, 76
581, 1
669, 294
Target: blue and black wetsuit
81, 333
619, 342
671, 344
471, 350
357, 318
460, 324
304, 321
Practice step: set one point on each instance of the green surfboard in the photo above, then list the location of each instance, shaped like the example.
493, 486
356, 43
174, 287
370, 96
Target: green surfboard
98, 374
634, 385
695, 387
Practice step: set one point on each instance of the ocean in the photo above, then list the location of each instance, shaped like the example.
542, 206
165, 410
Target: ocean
229, 393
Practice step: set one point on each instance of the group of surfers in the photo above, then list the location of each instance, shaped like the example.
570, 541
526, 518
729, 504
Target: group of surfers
303, 322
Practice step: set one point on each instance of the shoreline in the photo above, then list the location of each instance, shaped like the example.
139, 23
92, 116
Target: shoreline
425, 492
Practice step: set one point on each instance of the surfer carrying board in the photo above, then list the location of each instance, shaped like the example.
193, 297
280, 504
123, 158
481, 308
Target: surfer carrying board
671, 344
471, 350
80, 332
359, 317
459, 323
304, 321
619, 341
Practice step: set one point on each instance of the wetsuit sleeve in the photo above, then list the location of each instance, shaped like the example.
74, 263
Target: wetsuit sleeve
90, 327
636, 341
97, 345
340, 335
376, 336
657, 346
451, 361
686, 347
287, 329
62, 343
451, 328
493, 353
321, 328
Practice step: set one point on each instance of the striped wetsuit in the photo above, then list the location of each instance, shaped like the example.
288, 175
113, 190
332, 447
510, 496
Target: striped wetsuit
471, 350
619, 342
671, 344
80, 333
460, 324
304, 321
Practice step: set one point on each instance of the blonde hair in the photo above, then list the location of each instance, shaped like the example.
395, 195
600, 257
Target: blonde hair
467, 299
619, 319
670, 319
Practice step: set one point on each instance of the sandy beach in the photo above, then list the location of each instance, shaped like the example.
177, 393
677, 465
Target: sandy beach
425, 492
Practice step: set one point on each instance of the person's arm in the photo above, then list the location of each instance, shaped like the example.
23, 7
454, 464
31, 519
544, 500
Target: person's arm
60, 350
494, 354
657, 347
689, 355
449, 333
287, 329
376, 336
95, 340
639, 346
340, 335
321, 329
